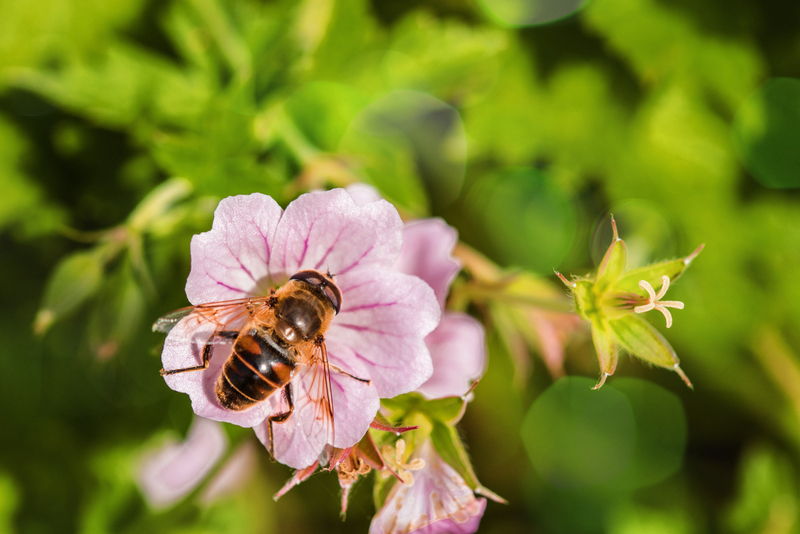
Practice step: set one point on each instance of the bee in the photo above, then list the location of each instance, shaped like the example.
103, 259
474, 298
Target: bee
271, 338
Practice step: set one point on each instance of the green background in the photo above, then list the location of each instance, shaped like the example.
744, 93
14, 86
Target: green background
680, 118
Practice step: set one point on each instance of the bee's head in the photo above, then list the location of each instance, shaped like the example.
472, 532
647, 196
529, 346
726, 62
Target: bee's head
324, 283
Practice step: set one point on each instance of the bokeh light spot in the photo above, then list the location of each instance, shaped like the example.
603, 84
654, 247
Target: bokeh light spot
577, 437
528, 220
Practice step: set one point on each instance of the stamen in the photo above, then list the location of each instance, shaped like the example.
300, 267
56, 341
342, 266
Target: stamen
654, 301
394, 457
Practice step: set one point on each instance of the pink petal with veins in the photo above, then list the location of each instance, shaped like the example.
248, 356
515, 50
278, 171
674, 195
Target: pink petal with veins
166, 475
458, 351
300, 440
328, 231
377, 333
230, 261
427, 252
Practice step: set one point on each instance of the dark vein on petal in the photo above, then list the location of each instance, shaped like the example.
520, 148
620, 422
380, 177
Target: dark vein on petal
226, 286
371, 306
359, 328
330, 248
370, 362
245, 269
305, 244
344, 271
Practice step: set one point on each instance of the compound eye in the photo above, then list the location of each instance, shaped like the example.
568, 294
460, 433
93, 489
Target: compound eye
325, 283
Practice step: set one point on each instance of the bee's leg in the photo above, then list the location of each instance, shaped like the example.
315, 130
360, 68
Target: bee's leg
280, 417
343, 372
225, 334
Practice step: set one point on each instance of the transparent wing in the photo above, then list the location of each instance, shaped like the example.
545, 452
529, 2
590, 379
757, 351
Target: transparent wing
229, 314
318, 394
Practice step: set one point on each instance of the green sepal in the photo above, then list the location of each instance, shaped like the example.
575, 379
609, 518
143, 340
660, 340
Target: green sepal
585, 300
447, 410
629, 282
612, 266
450, 447
642, 340
606, 348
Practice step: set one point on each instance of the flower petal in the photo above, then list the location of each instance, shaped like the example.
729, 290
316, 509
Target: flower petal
233, 474
230, 261
438, 502
427, 252
171, 472
363, 193
327, 230
379, 334
458, 351
300, 439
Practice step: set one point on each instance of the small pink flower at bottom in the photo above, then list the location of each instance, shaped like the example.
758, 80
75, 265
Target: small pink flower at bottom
436, 501
169, 473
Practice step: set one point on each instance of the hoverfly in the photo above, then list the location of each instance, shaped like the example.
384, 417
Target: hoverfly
271, 338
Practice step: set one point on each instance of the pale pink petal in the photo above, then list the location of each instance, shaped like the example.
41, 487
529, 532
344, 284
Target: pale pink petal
379, 334
168, 474
328, 231
458, 351
363, 193
230, 261
427, 253
439, 501
233, 475
300, 440
183, 348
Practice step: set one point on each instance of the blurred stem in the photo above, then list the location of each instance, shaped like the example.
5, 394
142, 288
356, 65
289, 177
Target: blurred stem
490, 284
300, 147
780, 362
480, 293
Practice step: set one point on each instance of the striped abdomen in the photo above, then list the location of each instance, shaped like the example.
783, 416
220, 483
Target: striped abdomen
254, 371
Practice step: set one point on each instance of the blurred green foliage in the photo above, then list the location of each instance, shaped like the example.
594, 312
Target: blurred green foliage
123, 123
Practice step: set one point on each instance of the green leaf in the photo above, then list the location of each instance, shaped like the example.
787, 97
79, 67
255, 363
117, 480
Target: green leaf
76, 278
158, 203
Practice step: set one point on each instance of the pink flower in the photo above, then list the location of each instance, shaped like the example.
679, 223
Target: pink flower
437, 501
378, 335
457, 346
434, 498
170, 472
